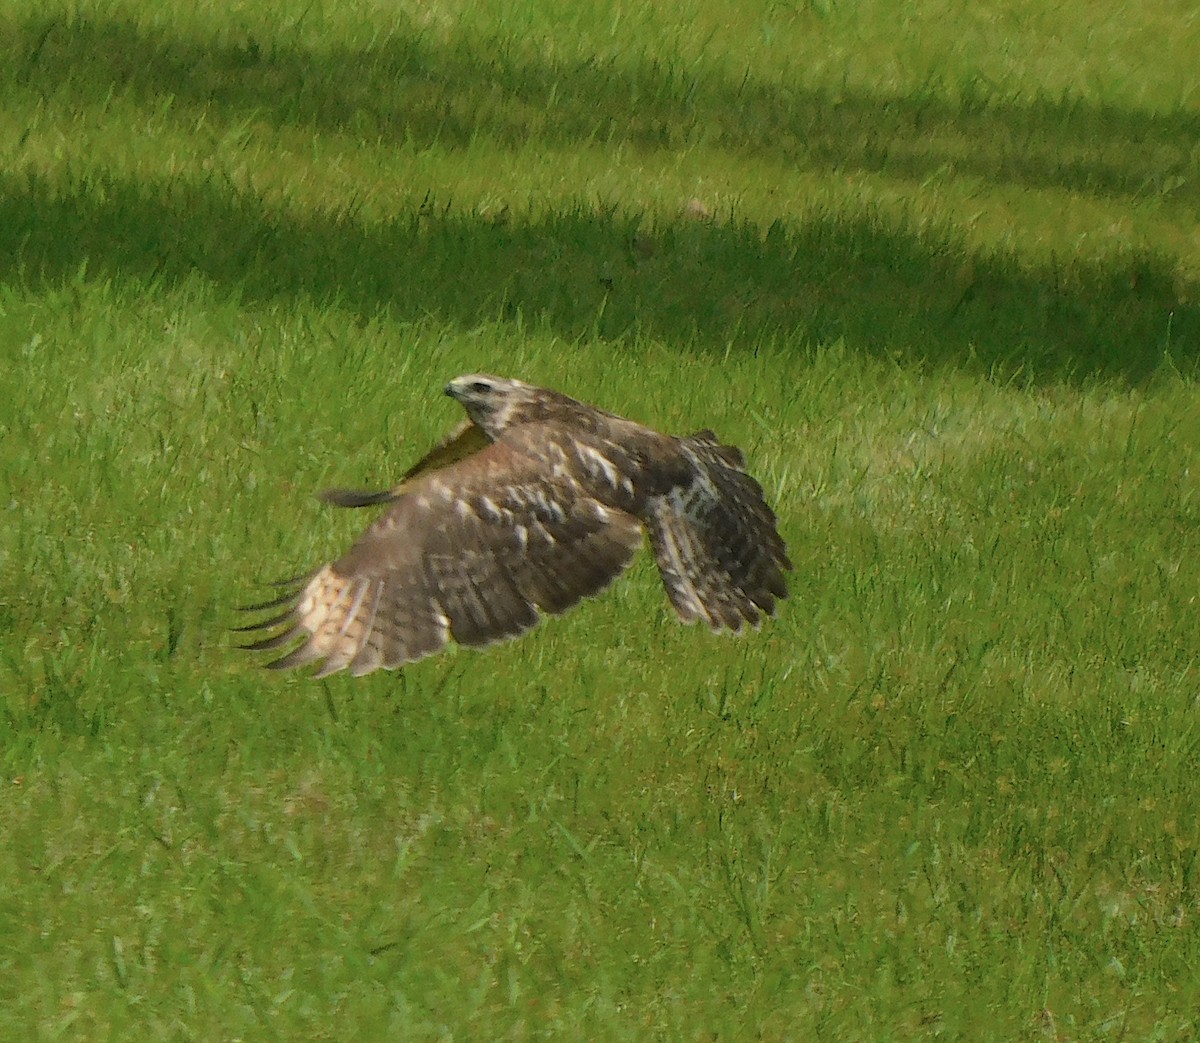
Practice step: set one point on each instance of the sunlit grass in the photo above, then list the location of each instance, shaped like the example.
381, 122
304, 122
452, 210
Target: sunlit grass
944, 298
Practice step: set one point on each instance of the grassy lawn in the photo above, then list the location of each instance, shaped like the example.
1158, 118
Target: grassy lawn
934, 266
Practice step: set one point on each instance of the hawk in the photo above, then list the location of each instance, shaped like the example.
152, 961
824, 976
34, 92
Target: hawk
534, 503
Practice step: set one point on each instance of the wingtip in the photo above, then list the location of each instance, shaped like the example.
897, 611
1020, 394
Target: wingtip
329, 667
265, 624
296, 657
357, 497
263, 606
269, 644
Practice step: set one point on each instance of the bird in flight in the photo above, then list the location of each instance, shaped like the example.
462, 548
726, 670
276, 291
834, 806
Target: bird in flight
535, 502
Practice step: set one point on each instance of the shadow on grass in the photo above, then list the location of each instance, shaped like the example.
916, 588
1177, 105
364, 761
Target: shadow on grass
884, 289
409, 87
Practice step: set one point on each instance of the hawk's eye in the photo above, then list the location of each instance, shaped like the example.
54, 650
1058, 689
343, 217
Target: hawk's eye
480, 388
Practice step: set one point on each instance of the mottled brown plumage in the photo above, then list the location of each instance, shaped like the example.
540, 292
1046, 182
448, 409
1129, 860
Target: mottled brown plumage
536, 502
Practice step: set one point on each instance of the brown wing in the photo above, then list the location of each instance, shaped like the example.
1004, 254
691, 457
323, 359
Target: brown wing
715, 539
463, 441
471, 551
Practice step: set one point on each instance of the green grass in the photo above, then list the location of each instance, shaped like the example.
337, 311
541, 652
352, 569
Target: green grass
946, 300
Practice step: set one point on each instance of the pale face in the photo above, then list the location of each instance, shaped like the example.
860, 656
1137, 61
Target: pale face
488, 400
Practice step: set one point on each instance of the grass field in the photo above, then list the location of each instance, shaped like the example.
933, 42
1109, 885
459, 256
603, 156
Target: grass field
934, 266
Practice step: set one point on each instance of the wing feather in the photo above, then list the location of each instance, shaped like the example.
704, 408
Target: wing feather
716, 541
473, 551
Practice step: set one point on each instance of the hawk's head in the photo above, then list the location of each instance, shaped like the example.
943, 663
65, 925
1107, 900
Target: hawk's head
492, 403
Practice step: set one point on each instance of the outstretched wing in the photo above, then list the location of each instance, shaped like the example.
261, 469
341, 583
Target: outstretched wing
715, 539
473, 551
463, 441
